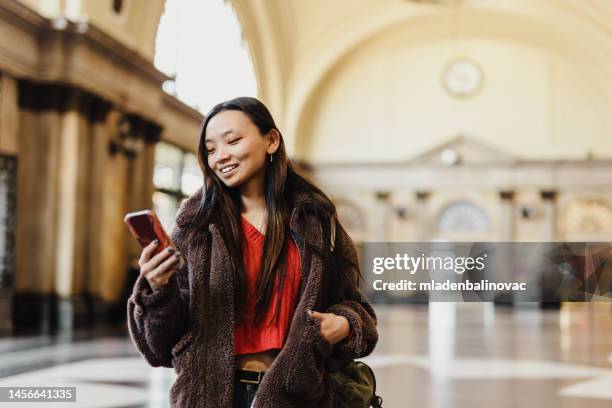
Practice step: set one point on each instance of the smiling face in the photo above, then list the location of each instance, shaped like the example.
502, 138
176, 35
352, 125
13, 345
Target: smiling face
236, 150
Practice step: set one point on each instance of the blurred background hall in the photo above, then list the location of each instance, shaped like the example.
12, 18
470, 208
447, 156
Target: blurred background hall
458, 120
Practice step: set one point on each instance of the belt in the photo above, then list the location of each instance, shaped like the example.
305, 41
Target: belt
249, 376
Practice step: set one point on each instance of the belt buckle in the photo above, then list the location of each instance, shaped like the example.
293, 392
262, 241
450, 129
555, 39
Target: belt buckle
253, 381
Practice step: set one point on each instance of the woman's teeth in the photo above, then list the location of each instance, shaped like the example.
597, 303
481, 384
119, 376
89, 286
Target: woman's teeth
226, 169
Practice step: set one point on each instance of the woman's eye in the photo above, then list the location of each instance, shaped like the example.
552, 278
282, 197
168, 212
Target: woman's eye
234, 141
210, 151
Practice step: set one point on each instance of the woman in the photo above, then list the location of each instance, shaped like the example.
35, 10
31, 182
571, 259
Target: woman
268, 301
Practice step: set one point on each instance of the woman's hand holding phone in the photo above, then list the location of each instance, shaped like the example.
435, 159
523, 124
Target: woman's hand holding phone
158, 268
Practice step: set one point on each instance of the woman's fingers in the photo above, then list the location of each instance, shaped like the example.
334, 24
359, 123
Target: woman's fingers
162, 274
160, 258
333, 328
317, 315
159, 276
146, 253
168, 265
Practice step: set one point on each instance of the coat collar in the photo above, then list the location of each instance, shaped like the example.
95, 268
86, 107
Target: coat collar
298, 200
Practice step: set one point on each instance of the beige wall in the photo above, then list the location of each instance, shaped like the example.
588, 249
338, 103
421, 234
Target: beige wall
385, 100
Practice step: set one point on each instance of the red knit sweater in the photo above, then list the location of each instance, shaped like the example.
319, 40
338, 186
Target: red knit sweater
249, 338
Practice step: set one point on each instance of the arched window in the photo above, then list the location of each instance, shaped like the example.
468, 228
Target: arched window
462, 217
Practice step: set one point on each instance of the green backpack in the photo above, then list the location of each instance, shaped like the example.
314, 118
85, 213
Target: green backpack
354, 386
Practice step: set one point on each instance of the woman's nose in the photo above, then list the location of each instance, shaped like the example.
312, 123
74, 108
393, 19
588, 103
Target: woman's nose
221, 155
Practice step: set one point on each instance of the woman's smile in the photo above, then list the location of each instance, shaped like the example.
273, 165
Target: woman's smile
229, 170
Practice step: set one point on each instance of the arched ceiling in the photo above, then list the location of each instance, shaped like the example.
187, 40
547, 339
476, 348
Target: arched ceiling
295, 44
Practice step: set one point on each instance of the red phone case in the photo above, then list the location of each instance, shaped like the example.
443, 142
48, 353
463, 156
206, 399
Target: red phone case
146, 227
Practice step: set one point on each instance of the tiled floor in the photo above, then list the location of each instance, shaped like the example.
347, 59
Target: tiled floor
441, 355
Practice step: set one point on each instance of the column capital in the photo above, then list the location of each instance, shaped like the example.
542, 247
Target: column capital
382, 195
422, 195
548, 194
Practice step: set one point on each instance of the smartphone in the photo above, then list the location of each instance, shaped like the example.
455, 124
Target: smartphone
146, 227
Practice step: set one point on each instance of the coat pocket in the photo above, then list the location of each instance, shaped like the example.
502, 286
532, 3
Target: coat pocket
185, 363
181, 345
306, 376
320, 344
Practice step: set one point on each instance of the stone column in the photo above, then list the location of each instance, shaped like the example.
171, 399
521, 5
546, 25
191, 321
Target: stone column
549, 226
383, 214
72, 196
378, 221
504, 269
423, 226
129, 179
549, 234
35, 302
507, 216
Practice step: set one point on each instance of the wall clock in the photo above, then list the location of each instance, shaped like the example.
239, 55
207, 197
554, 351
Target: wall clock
462, 77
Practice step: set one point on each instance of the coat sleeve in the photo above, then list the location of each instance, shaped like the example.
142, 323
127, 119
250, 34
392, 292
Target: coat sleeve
353, 304
157, 319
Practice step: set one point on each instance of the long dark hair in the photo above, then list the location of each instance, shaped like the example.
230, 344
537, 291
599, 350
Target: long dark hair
221, 204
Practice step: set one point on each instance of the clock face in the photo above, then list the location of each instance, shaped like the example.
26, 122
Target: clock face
462, 77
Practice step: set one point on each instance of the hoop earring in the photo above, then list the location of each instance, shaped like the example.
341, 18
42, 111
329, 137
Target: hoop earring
270, 158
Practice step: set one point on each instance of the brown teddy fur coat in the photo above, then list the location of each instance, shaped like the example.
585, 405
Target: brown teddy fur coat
188, 324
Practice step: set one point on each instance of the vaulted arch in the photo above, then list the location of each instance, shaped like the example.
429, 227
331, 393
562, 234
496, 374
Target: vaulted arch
353, 99
311, 39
